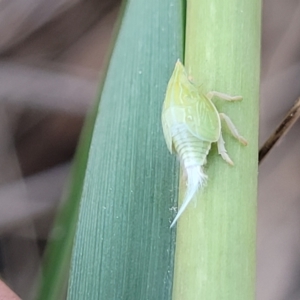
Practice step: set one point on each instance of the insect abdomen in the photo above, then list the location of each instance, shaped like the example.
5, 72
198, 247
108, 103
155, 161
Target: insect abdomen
191, 150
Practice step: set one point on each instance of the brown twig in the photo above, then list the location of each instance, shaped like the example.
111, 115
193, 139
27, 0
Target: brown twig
287, 123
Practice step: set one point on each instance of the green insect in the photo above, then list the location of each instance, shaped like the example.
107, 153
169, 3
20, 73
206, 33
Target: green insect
191, 123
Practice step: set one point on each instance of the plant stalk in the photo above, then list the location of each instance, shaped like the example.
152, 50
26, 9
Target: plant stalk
215, 243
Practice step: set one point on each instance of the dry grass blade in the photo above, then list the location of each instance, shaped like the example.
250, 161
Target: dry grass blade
289, 120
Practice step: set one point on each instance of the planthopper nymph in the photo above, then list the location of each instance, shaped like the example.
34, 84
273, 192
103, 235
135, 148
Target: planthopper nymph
191, 123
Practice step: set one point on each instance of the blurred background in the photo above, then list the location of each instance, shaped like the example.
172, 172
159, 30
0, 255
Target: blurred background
52, 55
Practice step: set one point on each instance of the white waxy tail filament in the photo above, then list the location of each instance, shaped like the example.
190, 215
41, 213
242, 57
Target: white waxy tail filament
195, 180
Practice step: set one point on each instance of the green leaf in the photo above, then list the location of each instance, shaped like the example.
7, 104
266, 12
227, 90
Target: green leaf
57, 258
124, 248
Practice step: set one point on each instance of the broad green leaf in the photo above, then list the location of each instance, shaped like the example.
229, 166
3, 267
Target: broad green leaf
124, 248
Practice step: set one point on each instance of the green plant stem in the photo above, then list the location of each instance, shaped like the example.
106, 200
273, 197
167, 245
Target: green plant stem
215, 244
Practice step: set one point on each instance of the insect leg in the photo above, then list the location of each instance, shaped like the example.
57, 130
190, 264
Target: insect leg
233, 129
222, 150
222, 96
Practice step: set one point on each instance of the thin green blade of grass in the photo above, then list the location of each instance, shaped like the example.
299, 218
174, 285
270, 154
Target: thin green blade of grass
215, 243
55, 268
123, 247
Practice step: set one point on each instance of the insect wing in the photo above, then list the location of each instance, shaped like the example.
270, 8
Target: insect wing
167, 129
184, 104
202, 118
170, 102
